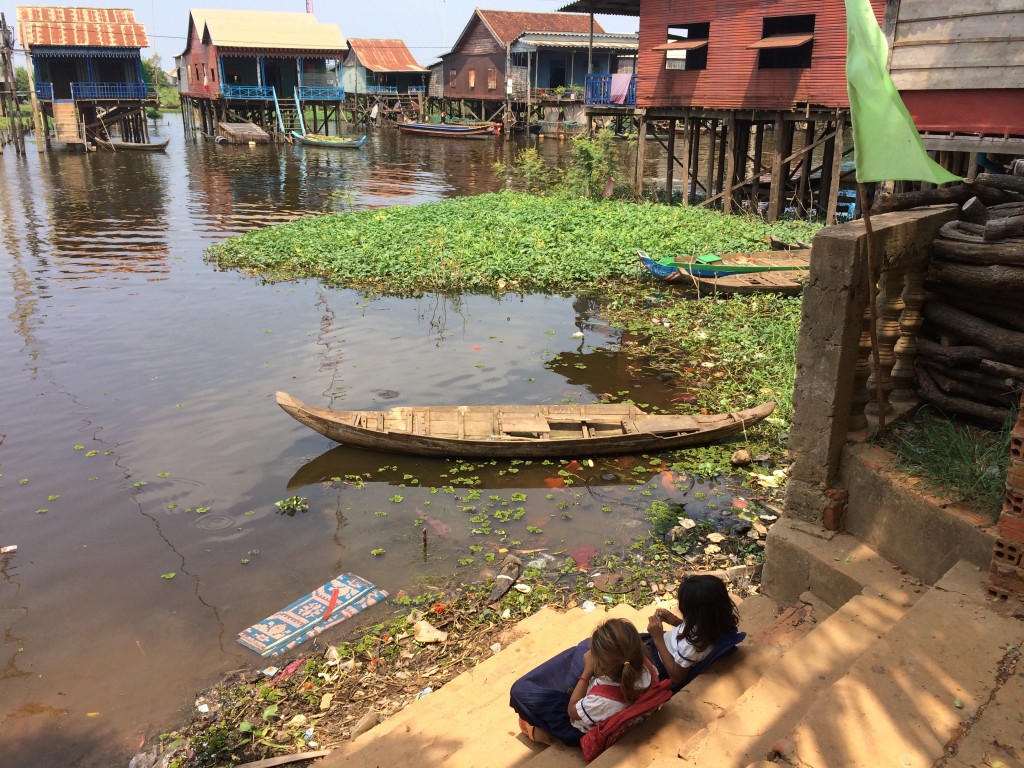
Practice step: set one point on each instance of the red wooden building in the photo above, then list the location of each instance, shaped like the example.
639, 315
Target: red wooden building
756, 89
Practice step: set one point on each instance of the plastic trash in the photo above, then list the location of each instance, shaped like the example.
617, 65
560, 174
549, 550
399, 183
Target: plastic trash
424, 692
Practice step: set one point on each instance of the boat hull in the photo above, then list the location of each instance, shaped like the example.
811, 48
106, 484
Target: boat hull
447, 131
345, 144
520, 431
672, 270
118, 146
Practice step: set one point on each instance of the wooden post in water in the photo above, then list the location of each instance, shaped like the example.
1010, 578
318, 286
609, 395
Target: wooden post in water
37, 117
686, 156
641, 154
730, 163
694, 157
780, 170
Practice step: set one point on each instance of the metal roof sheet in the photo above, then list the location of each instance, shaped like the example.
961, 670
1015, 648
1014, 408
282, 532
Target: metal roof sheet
603, 40
681, 45
506, 26
79, 27
268, 30
782, 41
611, 7
384, 55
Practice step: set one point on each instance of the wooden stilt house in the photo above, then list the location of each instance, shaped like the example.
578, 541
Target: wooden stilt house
87, 70
506, 64
260, 68
754, 92
383, 73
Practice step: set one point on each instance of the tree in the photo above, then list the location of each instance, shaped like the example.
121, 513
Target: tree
21, 79
154, 72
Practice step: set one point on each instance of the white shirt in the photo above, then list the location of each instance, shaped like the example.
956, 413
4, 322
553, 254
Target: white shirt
595, 709
683, 652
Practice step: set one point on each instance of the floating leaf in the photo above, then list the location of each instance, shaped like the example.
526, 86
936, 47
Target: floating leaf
170, 575
163, 474
53, 497
958, 704
79, 447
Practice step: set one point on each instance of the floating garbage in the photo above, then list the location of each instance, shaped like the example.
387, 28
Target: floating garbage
8, 549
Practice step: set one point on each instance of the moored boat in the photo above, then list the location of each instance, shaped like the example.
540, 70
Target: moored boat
789, 283
675, 268
131, 146
330, 142
520, 431
449, 130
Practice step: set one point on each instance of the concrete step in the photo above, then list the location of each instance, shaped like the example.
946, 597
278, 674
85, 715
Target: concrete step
782, 696
918, 688
470, 715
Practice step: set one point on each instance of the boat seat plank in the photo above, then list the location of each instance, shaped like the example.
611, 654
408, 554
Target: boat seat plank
674, 423
522, 423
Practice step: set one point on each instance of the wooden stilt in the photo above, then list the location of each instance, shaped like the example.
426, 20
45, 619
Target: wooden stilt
729, 147
720, 165
671, 163
687, 140
836, 173
803, 190
755, 186
694, 157
709, 187
780, 170
641, 155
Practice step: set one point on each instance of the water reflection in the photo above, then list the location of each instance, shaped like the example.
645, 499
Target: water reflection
138, 410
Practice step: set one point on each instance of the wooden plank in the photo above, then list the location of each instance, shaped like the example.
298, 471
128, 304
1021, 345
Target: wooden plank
952, 78
966, 55
522, 423
997, 26
940, 9
974, 144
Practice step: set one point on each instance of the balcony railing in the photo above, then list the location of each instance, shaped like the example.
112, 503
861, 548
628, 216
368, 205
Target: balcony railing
109, 90
44, 91
321, 93
599, 92
417, 89
381, 89
255, 92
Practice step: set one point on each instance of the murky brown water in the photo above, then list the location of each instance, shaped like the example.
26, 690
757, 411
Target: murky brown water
139, 436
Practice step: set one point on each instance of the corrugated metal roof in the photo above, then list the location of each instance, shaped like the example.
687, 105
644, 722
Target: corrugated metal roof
611, 7
79, 27
384, 55
506, 26
602, 41
267, 30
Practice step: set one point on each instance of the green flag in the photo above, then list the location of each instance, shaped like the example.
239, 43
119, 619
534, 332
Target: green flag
886, 144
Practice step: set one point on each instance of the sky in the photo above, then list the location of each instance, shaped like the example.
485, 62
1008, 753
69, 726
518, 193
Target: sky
428, 27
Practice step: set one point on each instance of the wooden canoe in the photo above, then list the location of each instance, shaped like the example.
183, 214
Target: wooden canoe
310, 140
131, 146
448, 130
520, 431
785, 283
673, 269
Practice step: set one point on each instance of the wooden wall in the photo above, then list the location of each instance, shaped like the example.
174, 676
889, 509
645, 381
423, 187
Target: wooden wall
732, 79
478, 51
199, 54
959, 64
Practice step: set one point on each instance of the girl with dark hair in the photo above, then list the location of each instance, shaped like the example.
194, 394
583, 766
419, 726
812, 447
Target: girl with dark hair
708, 616
568, 695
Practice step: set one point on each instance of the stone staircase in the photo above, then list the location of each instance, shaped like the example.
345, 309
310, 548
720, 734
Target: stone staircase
896, 674
65, 122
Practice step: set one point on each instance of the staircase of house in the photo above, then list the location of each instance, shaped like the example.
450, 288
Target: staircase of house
875, 669
65, 122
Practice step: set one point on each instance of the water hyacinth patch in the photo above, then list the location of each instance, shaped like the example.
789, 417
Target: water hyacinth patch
472, 243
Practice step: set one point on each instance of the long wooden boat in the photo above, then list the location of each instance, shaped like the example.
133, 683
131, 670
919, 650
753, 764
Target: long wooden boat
786, 283
119, 146
520, 431
310, 140
674, 268
448, 130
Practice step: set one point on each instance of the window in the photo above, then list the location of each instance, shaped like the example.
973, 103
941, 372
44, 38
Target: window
492, 79
686, 46
472, 79
453, 78
786, 42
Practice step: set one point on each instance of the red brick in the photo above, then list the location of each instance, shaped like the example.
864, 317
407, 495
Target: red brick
1007, 552
1011, 527
1015, 477
1013, 503
1011, 583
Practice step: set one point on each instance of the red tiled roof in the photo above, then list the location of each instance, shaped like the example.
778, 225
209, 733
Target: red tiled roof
506, 26
384, 55
79, 27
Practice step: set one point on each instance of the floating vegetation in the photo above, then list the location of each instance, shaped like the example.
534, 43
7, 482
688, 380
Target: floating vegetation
292, 505
531, 243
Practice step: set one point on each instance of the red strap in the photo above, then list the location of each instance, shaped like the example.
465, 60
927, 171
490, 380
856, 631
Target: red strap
607, 691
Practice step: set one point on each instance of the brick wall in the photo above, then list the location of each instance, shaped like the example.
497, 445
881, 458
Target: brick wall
1006, 576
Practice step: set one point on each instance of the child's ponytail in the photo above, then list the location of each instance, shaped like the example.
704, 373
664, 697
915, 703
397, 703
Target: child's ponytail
619, 654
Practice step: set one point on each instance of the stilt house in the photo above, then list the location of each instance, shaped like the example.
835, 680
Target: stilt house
755, 90
508, 60
87, 69
960, 70
382, 66
260, 67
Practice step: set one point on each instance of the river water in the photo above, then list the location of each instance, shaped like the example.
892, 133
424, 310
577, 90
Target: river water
139, 436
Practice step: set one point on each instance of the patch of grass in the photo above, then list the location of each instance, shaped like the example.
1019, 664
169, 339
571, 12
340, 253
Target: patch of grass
965, 463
